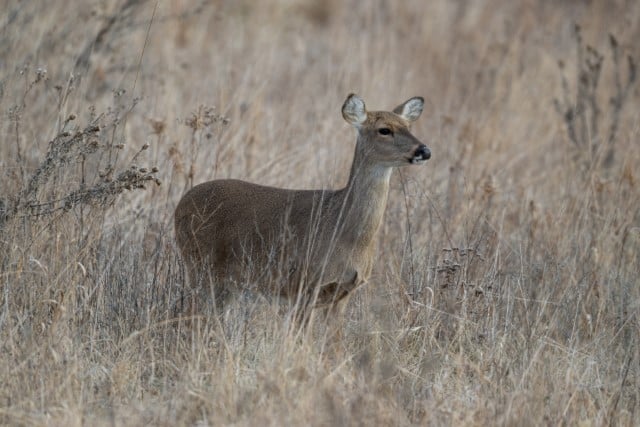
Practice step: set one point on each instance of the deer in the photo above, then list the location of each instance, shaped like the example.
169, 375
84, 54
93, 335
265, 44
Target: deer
312, 247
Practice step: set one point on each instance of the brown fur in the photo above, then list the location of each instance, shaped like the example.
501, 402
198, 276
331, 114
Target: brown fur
314, 246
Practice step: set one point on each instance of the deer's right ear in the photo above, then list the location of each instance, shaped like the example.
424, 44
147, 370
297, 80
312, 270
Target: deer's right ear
354, 111
411, 109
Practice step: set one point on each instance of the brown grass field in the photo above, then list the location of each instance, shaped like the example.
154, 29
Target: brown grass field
506, 289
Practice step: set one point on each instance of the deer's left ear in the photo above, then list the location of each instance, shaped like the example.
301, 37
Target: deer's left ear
354, 111
411, 109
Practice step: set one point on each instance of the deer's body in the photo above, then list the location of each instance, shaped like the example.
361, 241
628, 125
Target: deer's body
309, 245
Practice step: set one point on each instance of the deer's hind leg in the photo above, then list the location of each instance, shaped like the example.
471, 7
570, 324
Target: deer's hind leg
204, 290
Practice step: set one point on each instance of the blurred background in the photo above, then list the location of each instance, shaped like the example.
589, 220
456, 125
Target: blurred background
506, 283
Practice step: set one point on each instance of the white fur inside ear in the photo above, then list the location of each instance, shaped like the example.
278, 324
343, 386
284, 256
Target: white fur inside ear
354, 110
412, 109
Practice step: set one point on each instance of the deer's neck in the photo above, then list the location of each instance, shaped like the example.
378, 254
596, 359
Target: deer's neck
363, 201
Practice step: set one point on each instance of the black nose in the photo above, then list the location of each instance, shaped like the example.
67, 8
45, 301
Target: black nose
423, 152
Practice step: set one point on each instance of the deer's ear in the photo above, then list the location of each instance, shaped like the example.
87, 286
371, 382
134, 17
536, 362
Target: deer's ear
411, 109
354, 111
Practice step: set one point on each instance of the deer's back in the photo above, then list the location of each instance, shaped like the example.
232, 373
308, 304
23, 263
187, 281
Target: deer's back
230, 223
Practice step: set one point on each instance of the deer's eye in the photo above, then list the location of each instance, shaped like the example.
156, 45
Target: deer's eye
384, 131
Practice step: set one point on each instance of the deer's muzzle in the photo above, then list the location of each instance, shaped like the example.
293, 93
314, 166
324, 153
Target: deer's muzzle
421, 154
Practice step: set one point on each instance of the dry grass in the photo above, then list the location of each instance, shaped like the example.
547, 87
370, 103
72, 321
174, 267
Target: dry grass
507, 289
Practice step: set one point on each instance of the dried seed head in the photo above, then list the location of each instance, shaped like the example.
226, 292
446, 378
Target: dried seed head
158, 126
41, 73
145, 146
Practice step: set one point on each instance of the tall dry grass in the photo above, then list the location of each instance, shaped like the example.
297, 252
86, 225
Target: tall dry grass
506, 289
